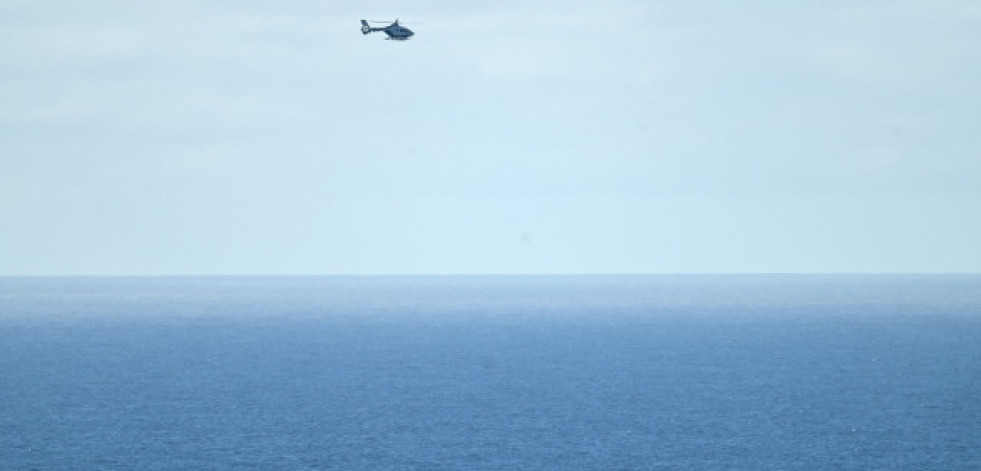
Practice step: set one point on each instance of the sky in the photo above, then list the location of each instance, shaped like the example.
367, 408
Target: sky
214, 137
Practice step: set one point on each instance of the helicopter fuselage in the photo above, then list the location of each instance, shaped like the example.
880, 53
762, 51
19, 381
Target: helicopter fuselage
394, 31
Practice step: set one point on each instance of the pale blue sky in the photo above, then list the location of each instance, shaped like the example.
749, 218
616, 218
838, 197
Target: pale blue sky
248, 137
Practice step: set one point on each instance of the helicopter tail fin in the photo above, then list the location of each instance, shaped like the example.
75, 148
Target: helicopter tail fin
365, 28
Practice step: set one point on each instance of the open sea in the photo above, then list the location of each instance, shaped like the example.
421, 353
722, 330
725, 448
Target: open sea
694, 372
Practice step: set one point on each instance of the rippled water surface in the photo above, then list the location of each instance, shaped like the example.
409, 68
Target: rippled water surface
561, 373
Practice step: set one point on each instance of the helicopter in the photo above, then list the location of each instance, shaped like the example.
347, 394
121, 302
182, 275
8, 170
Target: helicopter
395, 31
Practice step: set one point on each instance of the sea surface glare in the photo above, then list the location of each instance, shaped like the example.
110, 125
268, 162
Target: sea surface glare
742, 372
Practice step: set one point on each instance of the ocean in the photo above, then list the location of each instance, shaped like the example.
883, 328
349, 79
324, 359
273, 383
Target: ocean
679, 372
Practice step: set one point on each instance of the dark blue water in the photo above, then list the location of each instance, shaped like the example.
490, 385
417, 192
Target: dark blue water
559, 373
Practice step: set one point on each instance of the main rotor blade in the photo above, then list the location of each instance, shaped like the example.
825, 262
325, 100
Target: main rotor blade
401, 22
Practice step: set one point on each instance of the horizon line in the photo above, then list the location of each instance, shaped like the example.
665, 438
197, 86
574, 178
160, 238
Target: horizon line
489, 275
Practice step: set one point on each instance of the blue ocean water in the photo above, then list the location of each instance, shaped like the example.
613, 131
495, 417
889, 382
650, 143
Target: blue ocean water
742, 372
